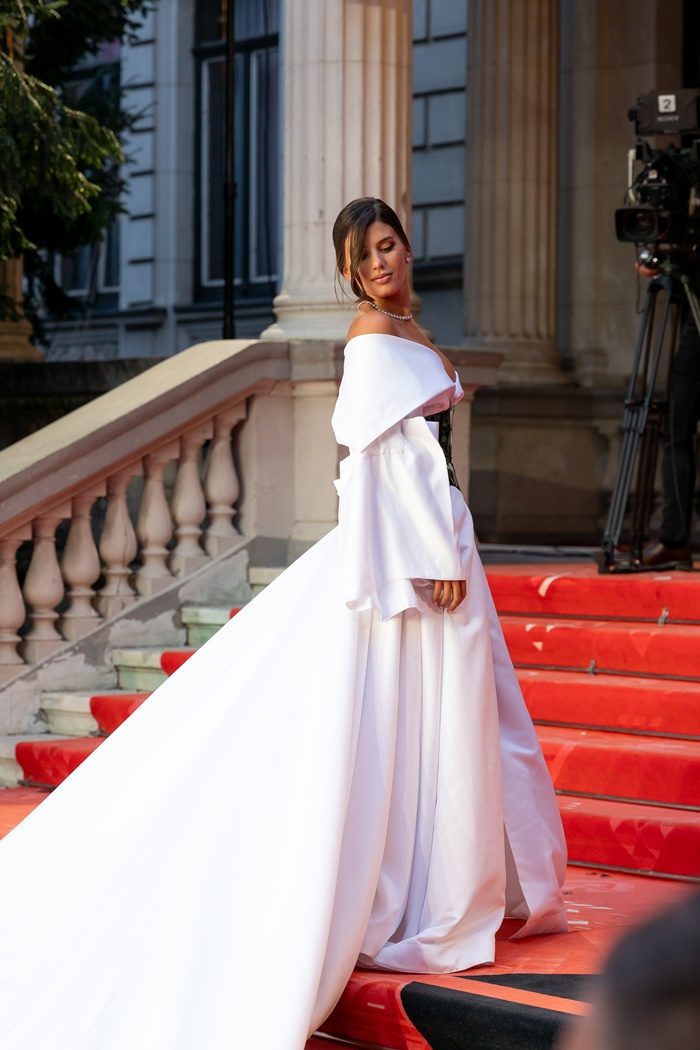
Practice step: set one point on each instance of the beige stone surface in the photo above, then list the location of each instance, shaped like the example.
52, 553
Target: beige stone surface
61, 459
347, 133
510, 257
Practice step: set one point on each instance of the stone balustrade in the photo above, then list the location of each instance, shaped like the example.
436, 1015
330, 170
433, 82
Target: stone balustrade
105, 470
143, 485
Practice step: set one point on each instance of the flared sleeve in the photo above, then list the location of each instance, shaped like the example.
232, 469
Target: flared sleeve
402, 525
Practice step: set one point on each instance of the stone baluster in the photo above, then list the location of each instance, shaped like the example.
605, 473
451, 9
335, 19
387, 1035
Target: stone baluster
221, 486
43, 587
12, 609
154, 526
118, 546
81, 568
188, 504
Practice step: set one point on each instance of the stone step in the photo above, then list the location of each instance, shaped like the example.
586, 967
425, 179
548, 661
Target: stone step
203, 621
68, 713
139, 669
10, 770
260, 575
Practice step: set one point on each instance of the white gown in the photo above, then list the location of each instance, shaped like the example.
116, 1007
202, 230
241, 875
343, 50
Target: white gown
343, 775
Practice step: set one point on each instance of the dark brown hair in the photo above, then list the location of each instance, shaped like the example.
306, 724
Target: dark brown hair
352, 223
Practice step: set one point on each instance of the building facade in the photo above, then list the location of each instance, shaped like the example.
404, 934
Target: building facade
517, 115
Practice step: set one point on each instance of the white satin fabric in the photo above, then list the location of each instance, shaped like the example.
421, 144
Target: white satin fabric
342, 775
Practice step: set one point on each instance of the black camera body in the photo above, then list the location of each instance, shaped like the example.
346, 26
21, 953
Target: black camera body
663, 210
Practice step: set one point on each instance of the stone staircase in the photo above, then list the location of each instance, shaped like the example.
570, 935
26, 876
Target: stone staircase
610, 669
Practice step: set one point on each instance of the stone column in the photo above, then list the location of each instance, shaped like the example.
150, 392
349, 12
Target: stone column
511, 184
347, 133
610, 54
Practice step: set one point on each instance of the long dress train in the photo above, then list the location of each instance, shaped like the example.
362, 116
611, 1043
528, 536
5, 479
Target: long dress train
343, 775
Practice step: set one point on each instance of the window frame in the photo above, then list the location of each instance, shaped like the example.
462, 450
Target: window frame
97, 288
97, 294
250, 288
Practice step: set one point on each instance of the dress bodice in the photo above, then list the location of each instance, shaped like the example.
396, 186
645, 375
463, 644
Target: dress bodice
441, 411
444, 436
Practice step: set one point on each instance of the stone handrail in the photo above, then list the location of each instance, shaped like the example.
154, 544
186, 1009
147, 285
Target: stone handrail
287, 458
164, 415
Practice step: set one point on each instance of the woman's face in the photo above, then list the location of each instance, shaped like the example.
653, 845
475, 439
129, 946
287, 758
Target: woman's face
383, 269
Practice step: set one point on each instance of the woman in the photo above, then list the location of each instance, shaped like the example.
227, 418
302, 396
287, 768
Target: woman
345, 774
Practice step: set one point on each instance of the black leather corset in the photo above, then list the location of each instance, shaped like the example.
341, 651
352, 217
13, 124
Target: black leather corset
444, 420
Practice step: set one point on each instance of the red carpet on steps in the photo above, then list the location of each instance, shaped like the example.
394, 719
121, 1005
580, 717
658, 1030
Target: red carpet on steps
48, 762
623, 748
659, 706
419, 1011
172, 659
533, 986
16, 804
630, 836
111, 710
565, 589
628, 646
617, 765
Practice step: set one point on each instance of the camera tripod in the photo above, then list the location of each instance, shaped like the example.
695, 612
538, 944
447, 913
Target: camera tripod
646, 405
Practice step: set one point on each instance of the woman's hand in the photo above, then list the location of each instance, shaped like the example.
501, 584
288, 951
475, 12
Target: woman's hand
449, 593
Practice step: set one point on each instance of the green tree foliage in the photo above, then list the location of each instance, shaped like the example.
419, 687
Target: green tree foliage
59, 176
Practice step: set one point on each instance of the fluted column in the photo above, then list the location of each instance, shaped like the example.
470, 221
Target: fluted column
510, 260
347, 133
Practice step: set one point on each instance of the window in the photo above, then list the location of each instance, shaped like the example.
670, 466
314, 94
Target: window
92, 272
256, 166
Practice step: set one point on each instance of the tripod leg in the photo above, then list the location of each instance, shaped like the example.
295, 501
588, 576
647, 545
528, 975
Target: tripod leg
633, 424
692, 300
650, 437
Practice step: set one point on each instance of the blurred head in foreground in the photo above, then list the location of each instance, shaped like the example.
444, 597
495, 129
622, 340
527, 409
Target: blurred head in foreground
649, 990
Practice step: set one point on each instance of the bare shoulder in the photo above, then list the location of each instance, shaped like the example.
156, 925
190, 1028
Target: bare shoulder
371, 323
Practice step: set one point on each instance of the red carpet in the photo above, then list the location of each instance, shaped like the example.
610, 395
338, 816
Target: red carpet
48, 762
579, 590
110, 711
622, 746
16, 804
661, 706
533, 987
617, 765
626, 646
627, 836
610, 670
623, 749
172, 659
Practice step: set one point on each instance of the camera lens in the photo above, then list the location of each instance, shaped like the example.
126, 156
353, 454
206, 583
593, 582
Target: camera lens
637, 225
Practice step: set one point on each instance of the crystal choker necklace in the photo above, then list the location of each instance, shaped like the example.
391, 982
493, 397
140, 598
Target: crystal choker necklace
397, 317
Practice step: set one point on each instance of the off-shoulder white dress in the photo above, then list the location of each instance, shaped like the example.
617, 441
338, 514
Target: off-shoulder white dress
346, 776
